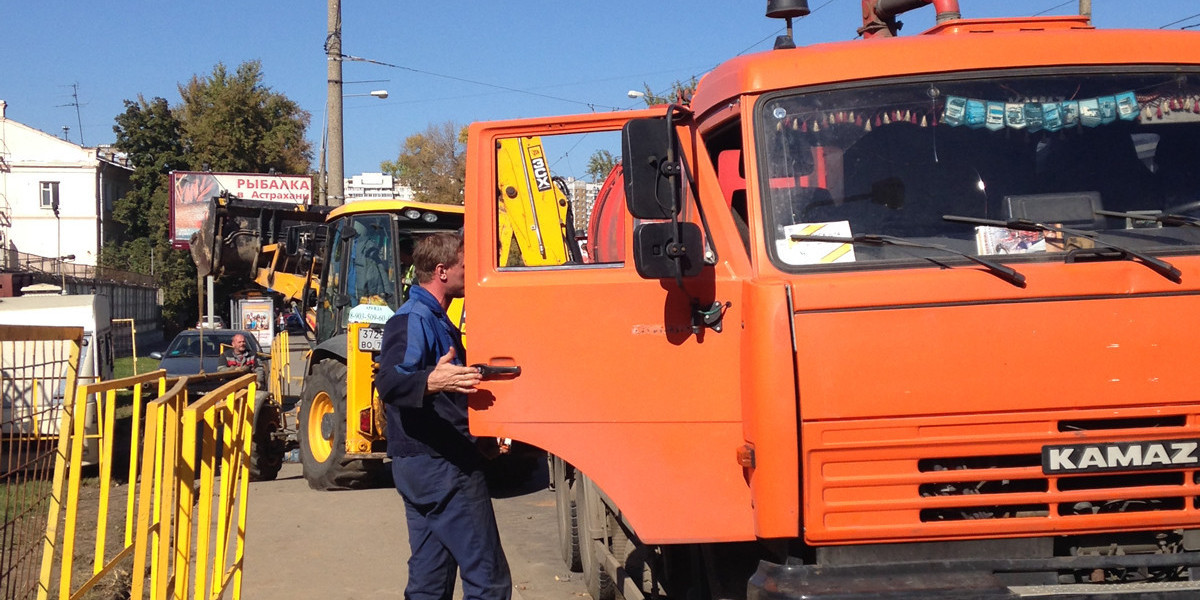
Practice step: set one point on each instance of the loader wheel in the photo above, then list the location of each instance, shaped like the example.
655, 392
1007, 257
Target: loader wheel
323, 433
266, 451
566, 505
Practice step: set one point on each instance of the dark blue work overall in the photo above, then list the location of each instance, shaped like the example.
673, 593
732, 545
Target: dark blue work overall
436, 465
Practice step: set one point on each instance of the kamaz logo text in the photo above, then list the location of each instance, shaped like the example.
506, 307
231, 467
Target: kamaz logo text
1128, 456
541, 173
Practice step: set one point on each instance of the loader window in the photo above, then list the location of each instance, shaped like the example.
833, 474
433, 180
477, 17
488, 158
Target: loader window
890, 159
329, 306
372, 274
559, 201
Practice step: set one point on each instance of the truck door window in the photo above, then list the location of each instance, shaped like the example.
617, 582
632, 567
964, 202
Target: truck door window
560, 201
892, 159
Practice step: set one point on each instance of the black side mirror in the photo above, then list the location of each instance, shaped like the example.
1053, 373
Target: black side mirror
657, 245
651, 177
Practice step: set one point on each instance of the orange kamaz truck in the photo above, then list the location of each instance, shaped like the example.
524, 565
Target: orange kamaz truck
899, 317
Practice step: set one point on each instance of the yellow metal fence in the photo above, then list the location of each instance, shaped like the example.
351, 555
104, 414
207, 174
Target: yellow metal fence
144, 495
184, 510
38, 366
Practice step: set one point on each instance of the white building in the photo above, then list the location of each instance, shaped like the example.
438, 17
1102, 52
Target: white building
375, 186
583, 196
39, 173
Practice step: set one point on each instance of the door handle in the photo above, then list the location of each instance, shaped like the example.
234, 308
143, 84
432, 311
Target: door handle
489, 371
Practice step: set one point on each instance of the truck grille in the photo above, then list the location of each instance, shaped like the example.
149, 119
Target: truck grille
981, 476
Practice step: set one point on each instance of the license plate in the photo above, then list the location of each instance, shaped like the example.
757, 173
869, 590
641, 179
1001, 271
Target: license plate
370, 340
1120, 456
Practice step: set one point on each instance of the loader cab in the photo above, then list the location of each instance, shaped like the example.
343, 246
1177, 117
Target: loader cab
369, 255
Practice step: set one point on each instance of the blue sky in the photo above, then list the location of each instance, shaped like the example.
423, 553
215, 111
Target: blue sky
567, 57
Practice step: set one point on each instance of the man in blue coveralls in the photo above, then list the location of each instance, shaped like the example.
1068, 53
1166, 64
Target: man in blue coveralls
437, 464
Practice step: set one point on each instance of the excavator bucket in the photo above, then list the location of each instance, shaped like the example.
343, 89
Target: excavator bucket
246, 236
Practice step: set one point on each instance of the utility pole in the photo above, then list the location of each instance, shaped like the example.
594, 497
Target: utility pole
335, 193
1085, 9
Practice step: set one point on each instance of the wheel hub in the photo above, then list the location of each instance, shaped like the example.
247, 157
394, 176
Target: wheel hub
327, 426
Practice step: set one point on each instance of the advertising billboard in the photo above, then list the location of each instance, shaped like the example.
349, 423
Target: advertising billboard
191, 192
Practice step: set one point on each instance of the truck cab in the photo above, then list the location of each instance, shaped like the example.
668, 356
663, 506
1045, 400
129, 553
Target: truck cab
869, 306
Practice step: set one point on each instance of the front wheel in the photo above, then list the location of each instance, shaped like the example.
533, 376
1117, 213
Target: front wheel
323, 433
266, 449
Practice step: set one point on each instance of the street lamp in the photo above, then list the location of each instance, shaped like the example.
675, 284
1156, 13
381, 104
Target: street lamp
381, 94
337, 169
62, 273
635, 94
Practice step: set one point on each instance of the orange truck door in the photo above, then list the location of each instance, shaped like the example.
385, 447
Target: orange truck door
613, 379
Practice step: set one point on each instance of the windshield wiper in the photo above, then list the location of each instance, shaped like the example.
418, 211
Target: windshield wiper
1157, 265
1168, 220
1004, 272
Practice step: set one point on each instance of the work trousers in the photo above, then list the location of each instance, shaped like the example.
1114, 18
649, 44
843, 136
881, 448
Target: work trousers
451, 527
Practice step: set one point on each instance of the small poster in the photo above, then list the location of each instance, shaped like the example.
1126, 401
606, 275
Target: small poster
256, 315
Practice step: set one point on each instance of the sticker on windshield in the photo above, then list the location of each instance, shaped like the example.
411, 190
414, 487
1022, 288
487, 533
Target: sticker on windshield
370, 313
812, 252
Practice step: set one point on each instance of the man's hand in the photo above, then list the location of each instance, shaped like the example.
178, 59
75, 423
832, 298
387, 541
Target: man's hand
449, 377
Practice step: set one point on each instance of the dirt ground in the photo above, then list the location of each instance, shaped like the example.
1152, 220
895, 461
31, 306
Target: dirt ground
304, 544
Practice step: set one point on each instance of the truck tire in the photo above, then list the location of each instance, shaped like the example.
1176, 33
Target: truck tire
593, 537
266, 450
567, 507
323, 433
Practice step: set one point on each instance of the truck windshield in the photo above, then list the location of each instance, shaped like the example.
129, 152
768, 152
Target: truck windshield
1065, 150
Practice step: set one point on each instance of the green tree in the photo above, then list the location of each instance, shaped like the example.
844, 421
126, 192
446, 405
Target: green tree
680, 93
225, 123
433, 163
151, 135
599, 164
233, 122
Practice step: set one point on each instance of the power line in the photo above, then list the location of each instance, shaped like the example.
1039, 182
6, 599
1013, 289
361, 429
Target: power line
591, 105
1056, 6
1179, 21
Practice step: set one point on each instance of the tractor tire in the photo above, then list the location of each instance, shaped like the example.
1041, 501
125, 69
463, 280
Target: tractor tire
593, 536
266, 450
322, 434
567, 507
